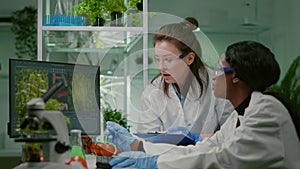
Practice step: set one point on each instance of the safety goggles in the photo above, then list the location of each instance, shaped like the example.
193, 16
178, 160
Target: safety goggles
219, 70
167, 61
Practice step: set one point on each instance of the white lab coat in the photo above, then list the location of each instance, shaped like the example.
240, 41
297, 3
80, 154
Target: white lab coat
160, 112
266, 138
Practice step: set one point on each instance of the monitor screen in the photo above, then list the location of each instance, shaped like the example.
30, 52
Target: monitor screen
78, 98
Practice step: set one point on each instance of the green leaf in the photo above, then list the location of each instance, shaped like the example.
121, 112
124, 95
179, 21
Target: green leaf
116, 116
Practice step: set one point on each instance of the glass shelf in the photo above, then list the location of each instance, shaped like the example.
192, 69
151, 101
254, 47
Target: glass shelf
121, 44
87, 50
93, 28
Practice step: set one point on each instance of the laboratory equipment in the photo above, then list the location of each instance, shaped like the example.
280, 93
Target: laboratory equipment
77, 154
49, 129
76, 144
79, 97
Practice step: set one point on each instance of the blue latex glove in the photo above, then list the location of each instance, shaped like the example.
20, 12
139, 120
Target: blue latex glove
118, 135
134, 159
195, 136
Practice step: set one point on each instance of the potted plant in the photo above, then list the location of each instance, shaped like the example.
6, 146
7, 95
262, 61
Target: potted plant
93, 9
24, 26
96, 9
116, 8
110, 114
135, 5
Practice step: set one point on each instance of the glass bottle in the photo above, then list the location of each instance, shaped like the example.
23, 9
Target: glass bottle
76, 144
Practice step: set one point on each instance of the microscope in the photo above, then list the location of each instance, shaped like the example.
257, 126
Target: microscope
53, 138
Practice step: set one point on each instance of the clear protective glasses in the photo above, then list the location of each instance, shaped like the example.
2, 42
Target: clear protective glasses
168, 61
219, 70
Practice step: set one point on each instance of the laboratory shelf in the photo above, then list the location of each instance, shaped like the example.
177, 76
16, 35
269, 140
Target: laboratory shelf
92, 28
116, 47
86, 50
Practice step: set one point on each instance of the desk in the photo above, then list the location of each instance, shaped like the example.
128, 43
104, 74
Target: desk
91, 160
10, 152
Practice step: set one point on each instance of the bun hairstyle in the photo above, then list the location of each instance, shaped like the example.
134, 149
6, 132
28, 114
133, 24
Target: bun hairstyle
253, 63
192, 22
181, 32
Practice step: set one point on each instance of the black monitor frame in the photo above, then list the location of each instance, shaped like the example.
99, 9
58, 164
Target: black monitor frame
82, 116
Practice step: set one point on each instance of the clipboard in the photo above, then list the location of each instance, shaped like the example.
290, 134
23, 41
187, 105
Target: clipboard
176, 139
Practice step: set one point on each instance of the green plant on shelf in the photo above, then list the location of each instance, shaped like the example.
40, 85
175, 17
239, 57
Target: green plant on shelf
91, 8
133, 5
120, 5
115, 6
100, 8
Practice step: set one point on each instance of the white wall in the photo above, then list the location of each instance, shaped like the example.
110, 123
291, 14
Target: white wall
7, 50
284, 34
7, 7
282, 17
207, 12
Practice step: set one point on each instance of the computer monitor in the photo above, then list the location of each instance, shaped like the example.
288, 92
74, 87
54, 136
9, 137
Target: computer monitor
78, 98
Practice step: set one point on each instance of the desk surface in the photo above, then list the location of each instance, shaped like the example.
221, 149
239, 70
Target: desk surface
91, 160
10, 152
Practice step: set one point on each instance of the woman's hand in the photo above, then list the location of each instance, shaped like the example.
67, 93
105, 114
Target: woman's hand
134, 159
119, 136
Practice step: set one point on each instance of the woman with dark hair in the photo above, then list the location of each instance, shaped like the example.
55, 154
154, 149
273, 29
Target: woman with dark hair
261, 133
180, 95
